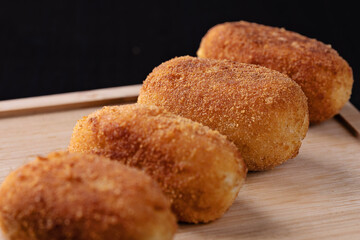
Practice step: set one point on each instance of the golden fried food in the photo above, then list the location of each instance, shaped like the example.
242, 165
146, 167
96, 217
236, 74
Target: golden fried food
197, 168
83, 196
324, 76
262, 111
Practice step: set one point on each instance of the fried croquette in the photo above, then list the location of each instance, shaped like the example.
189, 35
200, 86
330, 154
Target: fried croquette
262, 111
324, 76
83, 196
197, 168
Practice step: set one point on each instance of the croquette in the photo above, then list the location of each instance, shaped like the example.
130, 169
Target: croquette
324, 76
262, 111
83, 196
198, 169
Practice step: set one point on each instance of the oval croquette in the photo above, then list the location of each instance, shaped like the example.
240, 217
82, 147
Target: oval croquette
262, 111
197, 168
83, 196
324, 76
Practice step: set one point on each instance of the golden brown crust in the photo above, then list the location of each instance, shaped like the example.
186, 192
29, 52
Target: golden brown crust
197, 168
78, 196
323, 75
262, 111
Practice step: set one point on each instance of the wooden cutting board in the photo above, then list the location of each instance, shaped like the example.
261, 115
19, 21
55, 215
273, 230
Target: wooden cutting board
314, 196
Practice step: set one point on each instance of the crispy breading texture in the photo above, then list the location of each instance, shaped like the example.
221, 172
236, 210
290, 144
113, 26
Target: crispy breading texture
262, 111
324, 76
197, 168
83, 196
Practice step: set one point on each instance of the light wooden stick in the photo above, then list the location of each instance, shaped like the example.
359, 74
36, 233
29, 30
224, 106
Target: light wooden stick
350, 117
66, 101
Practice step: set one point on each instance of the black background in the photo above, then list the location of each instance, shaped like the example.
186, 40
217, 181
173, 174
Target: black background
51, 47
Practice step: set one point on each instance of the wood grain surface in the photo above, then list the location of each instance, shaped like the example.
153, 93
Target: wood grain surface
314, 196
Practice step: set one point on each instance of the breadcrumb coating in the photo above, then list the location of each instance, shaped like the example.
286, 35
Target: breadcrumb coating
262, 111
324, 76
83, 196
197, 168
